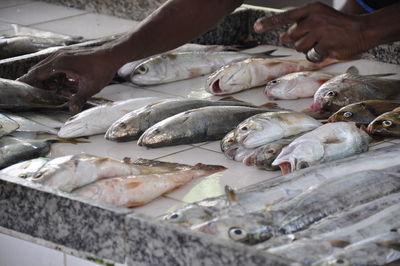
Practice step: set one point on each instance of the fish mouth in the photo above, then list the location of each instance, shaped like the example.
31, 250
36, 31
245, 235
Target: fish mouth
286, 168
316, 106
249, 160
371, 129
215, 87
331, 119
230, 153
269, 94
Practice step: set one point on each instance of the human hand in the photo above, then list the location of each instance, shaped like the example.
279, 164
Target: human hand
330, 32
86, 70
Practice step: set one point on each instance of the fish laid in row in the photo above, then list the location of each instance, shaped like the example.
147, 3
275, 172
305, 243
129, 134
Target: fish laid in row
198, 125
327, 143
275, 191
348, 88
132, 125
98, 119
387, 124
255, 72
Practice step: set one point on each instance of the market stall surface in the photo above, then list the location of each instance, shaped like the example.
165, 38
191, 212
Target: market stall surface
74, 22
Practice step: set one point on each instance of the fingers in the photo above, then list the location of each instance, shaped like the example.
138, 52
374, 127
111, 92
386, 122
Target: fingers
289, 17
85, 91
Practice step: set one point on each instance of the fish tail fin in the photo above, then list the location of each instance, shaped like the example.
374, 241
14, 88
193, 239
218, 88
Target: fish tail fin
270, 105
239, 47
209, 167
232, 99
69, 141
269, 54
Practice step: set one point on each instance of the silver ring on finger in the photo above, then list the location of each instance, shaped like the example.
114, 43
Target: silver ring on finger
313, 56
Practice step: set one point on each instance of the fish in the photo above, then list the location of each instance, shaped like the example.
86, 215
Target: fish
25, 169
386, 124
70, 172
197, 125
98, 119
174, 66
312, 205
276, 191
254, 72
138, 190
132, 125
263, 128
28, 125
263, 156
127, 70
348, 88
13, 150
296, 85
329, 142
381, 249
16, 95
363, 112
55, 121
7, 125
231, 148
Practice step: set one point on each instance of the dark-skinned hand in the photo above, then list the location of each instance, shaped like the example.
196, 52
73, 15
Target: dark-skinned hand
331, 33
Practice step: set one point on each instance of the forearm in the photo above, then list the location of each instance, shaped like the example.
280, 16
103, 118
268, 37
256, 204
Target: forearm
173, 24
352, 7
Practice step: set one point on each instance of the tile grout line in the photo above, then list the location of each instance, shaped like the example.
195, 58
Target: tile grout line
20, 4
190, 148
58, 19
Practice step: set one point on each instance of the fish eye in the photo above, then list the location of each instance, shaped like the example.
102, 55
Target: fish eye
303, 165
347, 114
142, 69
387, 123
237, 233
244, 128
340, 261
173, 216
272, 151
274, 81
331, 94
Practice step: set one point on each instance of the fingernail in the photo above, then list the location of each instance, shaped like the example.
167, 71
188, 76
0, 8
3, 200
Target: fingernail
258, 26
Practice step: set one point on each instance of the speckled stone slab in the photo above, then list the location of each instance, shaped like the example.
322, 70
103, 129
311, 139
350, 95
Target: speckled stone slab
63, 220
158, 243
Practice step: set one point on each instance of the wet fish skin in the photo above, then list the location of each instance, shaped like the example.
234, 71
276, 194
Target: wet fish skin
348, 88
363, 112
13, 150
16, 95
133, 191
173, 66
254, 72
387, 124
97, 120
132, 125
28, 125
296, 85
329, 142
25, 169
264, 128
7, 125
275, 191
197, 125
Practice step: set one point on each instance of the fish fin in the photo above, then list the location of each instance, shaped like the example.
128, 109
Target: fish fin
270, 105
389, 244
230, 194
322, 81
231, 99
381, 75
131, 204
133, 184
209, 167
353, 70
338, 243
268, 54
239, 47
70, 141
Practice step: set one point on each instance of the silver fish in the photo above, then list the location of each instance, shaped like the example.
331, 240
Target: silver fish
276, 191
307, 208
97, 120
175, 66
132, 125
263, 128
197, 125
348, 88
29, 125
7, 125
25, 169
254, 72
329, 142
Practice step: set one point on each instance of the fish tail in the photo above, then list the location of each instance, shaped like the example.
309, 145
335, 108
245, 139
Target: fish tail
209, 167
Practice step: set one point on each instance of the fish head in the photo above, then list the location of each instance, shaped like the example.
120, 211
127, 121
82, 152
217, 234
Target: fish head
299, 154
189, 215
228, 79
356, 112
334, 261
388, 124
286, 86
228, 141
7, 125
265, 155
251, 228
151, 71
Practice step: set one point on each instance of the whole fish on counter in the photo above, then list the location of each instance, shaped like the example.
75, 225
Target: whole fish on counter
255, 72
348, 88
127, 70
97, 120
16, 95
132, 125
363, 112
327, 143
7, 125
173, 66
137, 190
25, 169
275, 191
70, 172
198, 125
263, 128
13, 150
312, 205
386, 124
232, 149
